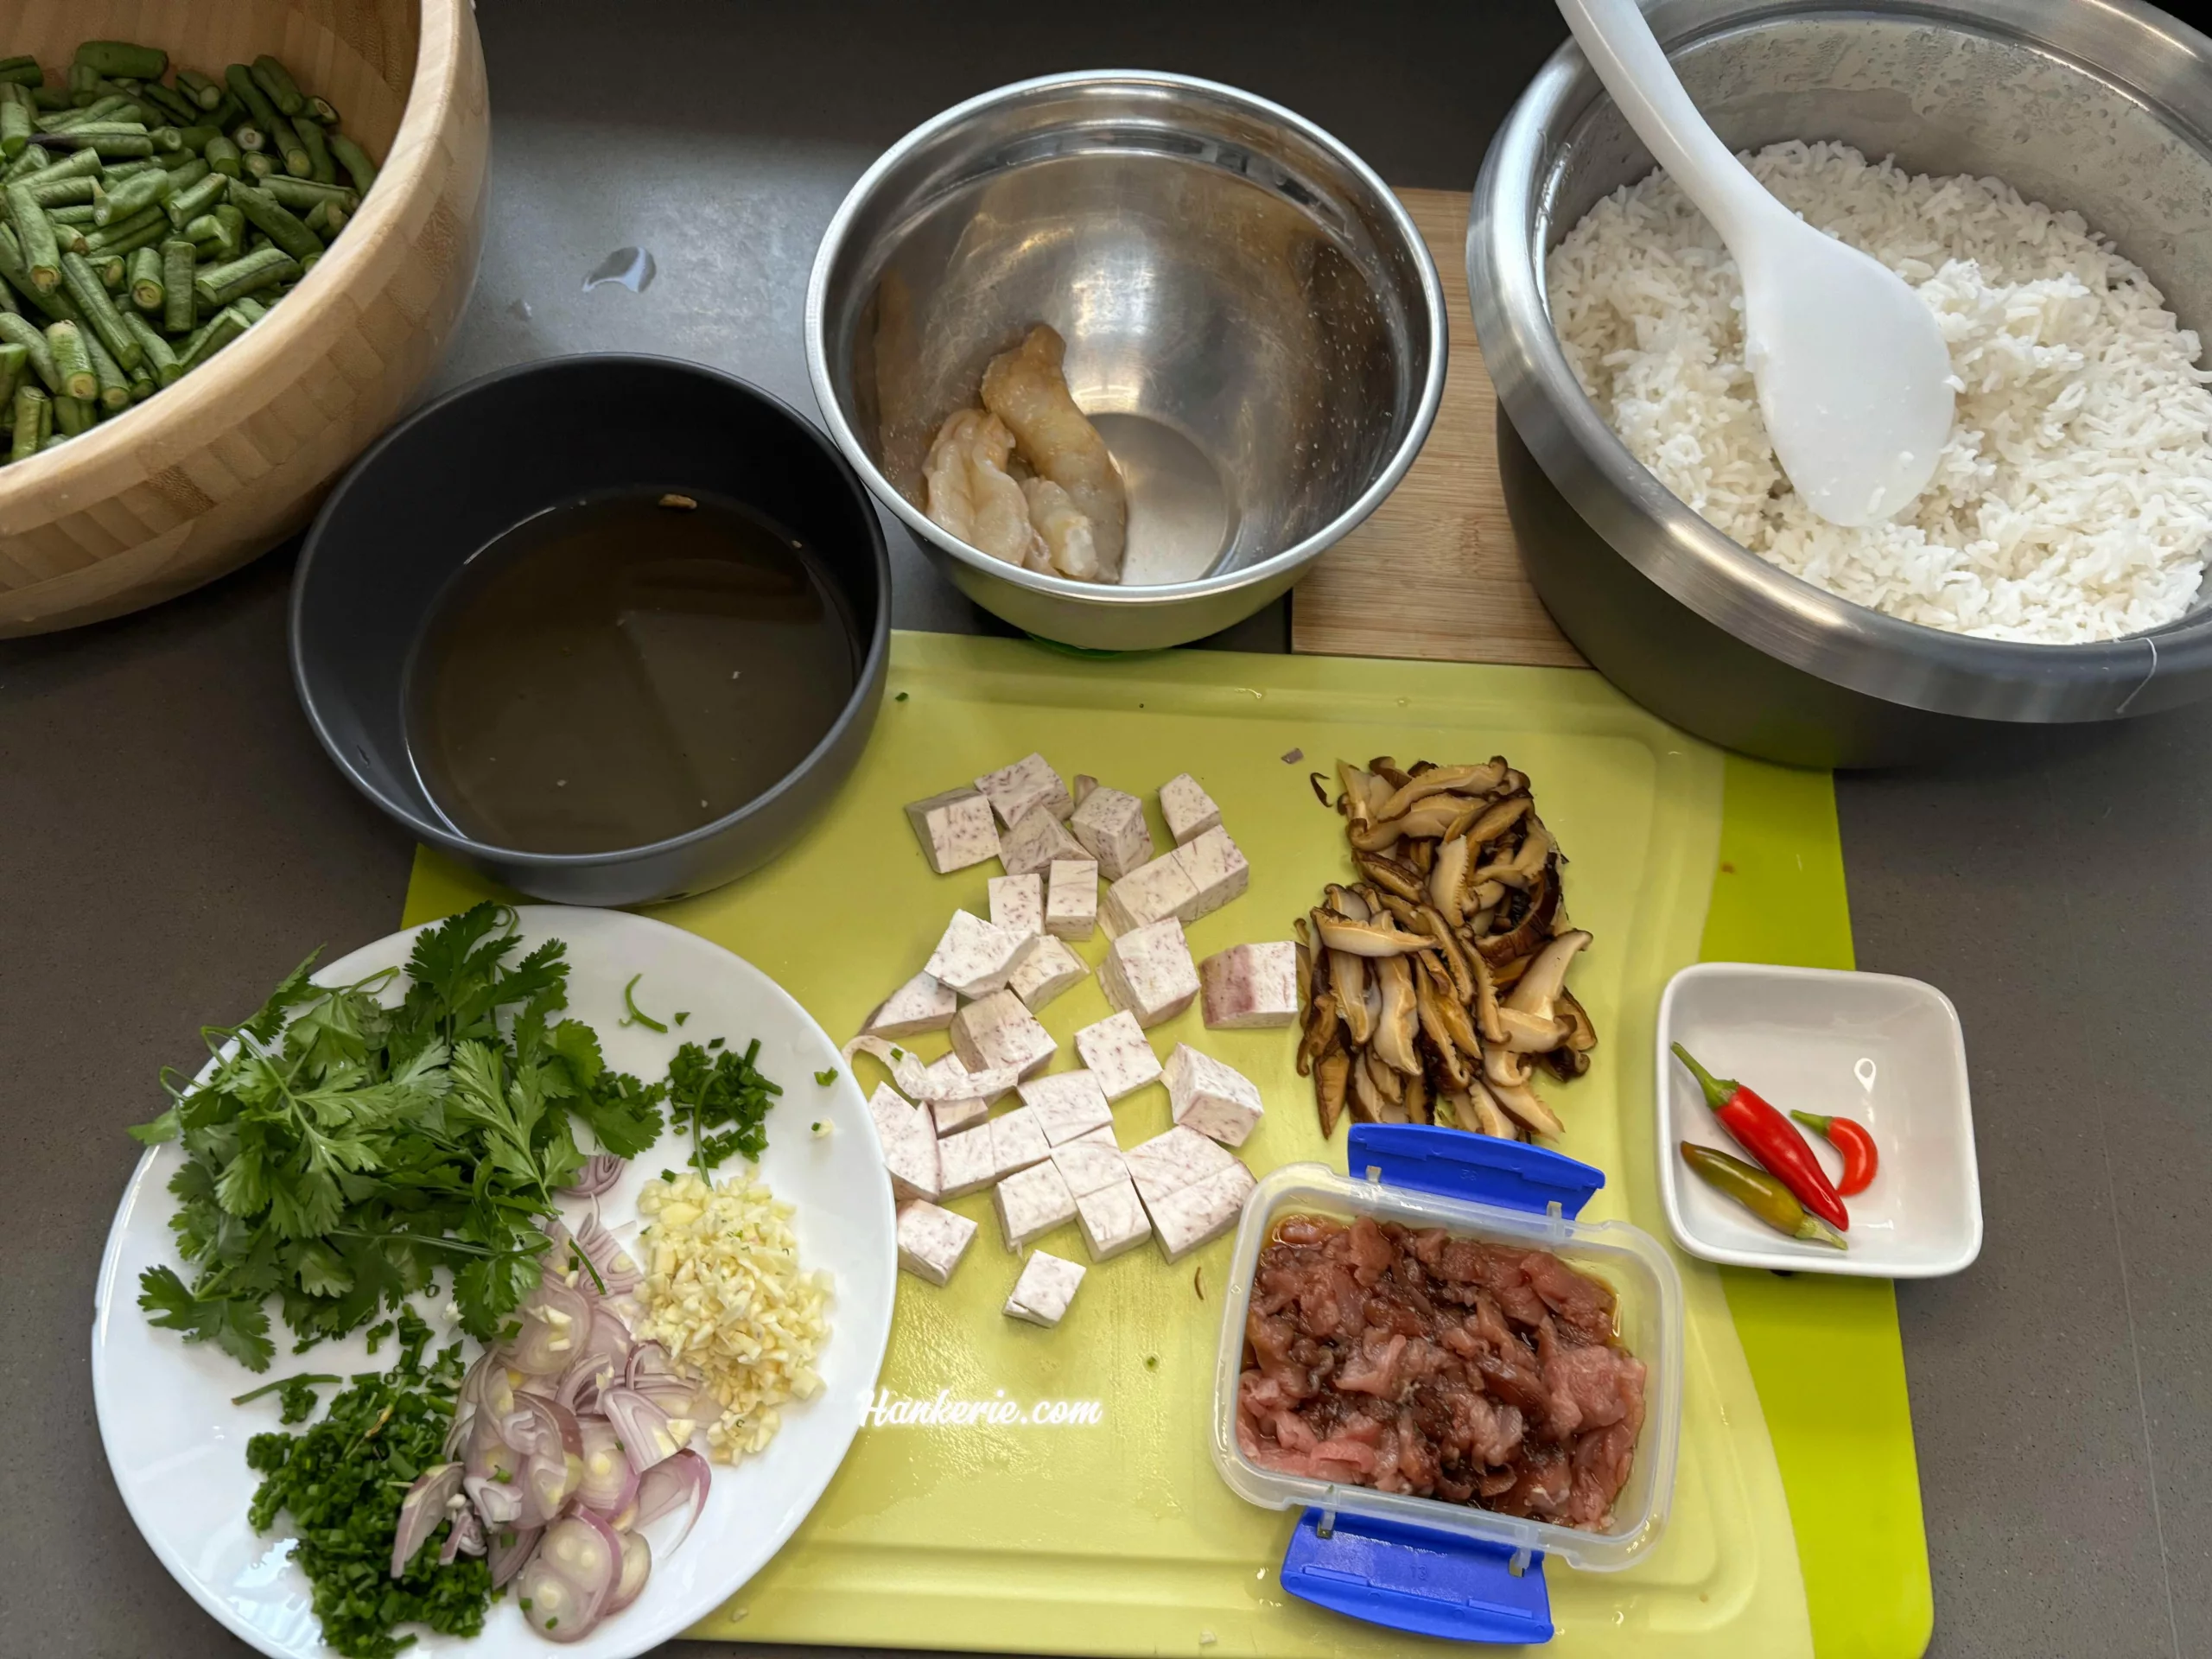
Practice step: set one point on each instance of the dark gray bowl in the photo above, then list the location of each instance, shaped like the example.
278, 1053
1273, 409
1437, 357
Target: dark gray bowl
444, 482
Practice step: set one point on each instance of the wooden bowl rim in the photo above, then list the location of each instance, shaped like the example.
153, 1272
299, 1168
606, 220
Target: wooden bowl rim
244, 377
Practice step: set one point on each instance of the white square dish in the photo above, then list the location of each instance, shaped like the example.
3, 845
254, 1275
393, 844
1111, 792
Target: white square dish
1885, 1051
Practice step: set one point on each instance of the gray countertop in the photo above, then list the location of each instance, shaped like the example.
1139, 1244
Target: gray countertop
171, 840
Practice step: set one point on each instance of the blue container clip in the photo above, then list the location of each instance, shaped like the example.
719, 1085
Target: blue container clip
1416, 1578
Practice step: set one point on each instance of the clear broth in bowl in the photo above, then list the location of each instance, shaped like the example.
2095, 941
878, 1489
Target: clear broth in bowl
623, 669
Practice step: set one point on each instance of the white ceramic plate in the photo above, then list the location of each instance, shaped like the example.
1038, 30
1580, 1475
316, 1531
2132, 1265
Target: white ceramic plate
1885, 1050
177, 1445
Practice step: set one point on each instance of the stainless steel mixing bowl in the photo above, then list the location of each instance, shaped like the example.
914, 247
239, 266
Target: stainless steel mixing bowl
2104, 108
1251, 320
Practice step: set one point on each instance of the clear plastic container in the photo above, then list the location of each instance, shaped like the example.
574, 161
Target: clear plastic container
1526, 1197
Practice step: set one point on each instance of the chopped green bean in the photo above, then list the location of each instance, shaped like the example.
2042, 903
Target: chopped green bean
42, 256
110, 237
133, 196
86, 287
197, 138
23, 72
187, 173
210, 239
217, 285
274, 78
179, 312
215, 334
33, 410
199, 88
54, 442
355, 160
168, 140
243, 88
228, 113
160, 358
113, 139
196, 199
222, 156
115, 383
84, 84
17, 119
258, 163
300, 194
55, 188
323, 112
74, 213
12, 266
74, 415
72, 364
15, 363
52, 98
251, 309
321, 168
123, 58
33, 160
275, 220
284, 139
180, 110
147, 291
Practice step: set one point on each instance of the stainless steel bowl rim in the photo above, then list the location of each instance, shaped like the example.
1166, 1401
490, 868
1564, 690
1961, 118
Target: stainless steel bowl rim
464, 847
1782, 614
1110, 594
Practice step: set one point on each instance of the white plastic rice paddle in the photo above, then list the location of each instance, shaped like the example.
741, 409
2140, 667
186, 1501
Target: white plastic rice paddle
1852, 375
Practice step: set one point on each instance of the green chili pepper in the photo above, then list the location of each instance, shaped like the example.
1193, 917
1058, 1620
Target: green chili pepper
1763, 1194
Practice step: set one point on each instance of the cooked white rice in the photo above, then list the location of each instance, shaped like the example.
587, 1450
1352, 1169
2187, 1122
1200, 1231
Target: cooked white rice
2074, 498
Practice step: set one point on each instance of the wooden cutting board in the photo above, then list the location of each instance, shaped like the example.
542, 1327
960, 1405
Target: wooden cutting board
1436, 572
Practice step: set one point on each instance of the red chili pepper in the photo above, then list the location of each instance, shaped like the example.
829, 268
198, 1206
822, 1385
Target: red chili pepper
1768, 1136
1851, 1139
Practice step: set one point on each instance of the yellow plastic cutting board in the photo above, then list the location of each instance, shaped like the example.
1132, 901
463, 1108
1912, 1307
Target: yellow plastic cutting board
1118, 1537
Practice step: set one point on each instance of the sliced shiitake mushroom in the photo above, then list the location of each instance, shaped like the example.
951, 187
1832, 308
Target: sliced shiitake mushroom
1455, 959
1394, 1032
1331, 1073
1584, 1037
1496, 819
1416, 1104
1376, 940
1391, 874
1486, 1000
1447, 880
1449, 1055
1530, 932
1488, 1119
1521, 1101
1439, 781
1541, 986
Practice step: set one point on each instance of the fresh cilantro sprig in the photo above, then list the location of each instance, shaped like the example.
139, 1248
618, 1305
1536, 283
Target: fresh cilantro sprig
343, 1150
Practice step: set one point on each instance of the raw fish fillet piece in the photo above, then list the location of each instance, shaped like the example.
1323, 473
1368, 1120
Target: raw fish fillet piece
1026, 388
971, 494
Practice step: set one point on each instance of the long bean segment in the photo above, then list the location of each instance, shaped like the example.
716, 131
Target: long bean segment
34, 411
217, 285
72, 364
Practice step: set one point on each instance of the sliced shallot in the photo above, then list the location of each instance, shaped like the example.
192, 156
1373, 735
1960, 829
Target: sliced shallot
669, 1483
599, 1174
617, 1271
511, 1550
565, 1591
421, 1510
610, 1483
649, 1434
467, 1537
637, 1567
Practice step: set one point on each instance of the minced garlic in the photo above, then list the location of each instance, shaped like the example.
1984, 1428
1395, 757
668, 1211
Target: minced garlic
724, 1294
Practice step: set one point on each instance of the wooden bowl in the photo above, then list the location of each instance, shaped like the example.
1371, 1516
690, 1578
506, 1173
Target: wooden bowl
216, 470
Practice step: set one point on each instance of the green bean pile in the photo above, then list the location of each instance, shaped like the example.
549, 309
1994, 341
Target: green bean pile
145, 224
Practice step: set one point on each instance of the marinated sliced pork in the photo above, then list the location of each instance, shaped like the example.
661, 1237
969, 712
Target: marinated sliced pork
1448, 1367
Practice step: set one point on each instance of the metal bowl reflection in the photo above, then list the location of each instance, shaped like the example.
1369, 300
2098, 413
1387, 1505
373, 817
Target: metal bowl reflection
1251, 319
